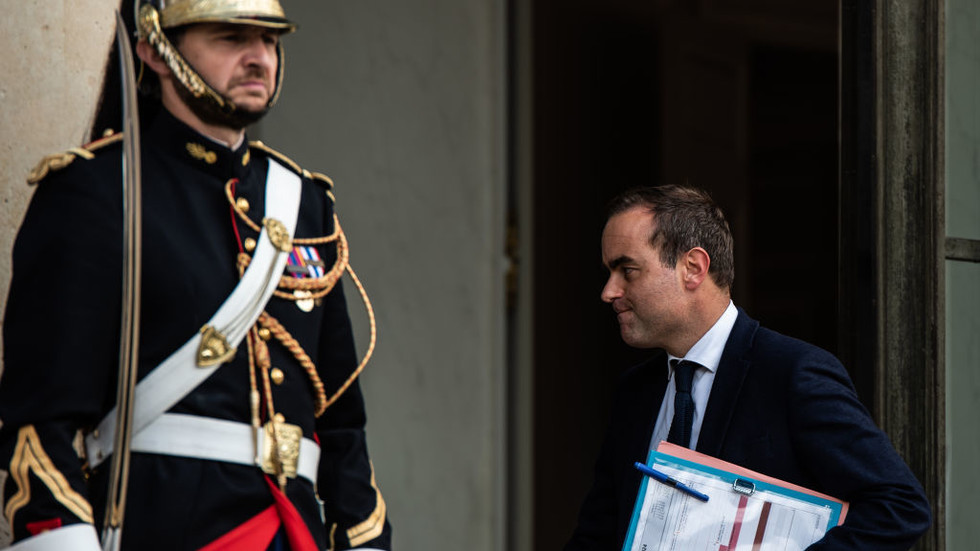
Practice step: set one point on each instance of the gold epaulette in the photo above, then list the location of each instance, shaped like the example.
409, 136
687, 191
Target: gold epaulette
323, 178
58, 161
295, 167
319, 177
279, 156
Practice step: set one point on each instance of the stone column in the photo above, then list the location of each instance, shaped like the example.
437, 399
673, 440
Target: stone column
52, 67
54, 53
892, 195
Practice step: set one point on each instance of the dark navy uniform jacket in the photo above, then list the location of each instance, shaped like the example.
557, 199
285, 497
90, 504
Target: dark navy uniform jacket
778, 406
61, 340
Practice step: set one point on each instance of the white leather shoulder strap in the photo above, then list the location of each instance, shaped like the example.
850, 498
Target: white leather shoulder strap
179, 374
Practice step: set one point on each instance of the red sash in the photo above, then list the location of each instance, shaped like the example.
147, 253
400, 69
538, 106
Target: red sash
257, 532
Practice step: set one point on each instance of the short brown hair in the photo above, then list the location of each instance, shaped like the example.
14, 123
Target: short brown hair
685, 218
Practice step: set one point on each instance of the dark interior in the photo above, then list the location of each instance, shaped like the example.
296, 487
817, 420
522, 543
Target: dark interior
736, 97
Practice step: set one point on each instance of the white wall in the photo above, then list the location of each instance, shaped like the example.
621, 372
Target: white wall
400, 101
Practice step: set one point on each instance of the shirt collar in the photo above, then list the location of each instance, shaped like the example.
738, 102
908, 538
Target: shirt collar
707, 351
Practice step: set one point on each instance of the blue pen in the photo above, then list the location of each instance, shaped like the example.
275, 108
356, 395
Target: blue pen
661, 477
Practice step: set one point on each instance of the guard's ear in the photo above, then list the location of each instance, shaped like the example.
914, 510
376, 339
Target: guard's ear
151, 58
694, 266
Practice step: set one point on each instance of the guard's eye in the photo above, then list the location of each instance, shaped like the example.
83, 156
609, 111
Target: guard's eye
271, 39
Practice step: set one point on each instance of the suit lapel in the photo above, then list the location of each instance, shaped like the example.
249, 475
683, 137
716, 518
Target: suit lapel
727, 385
640, 404
648, 409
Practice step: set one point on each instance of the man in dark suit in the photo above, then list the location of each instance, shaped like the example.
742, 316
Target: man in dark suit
719, 383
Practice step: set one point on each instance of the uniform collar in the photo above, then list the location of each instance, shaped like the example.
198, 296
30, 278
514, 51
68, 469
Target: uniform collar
204, 154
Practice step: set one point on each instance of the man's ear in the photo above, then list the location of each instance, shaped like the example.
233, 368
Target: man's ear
694, 265
151, 58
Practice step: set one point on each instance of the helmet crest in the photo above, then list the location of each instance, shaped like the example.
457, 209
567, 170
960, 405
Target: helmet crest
265, 13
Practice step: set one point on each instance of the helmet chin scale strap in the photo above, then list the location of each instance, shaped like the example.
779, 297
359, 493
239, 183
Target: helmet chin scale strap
149, 30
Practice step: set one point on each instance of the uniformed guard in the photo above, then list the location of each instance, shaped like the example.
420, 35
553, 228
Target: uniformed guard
247, 423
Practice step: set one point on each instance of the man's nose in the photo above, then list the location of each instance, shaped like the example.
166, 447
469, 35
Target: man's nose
259, 52
611, 291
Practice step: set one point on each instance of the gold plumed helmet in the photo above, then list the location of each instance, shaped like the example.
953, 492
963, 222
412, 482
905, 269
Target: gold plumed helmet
155, 16
263, 13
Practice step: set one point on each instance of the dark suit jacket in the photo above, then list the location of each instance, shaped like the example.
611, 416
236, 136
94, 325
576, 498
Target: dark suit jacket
779, 406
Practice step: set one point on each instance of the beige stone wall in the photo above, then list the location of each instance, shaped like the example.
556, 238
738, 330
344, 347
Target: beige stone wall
54, 53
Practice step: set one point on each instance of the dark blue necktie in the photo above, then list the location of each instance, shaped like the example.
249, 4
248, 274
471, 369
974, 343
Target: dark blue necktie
680, 427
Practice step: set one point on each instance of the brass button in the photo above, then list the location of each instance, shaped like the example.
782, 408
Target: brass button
265, 334
242, 204
249, 244
277, 375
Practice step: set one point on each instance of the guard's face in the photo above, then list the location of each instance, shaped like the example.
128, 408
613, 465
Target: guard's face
647, 297
238, 61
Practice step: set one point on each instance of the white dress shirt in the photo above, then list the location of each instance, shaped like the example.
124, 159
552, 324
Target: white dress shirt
707, 352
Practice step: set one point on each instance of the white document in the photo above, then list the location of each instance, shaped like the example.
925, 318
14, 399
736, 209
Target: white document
763, 516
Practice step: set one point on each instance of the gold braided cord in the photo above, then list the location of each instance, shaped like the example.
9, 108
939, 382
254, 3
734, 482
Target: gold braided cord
262, 357
254, 400
323, 239
319, 286
374, 338
322, 285
264, 364
257, 228
234, 205
291, 344
243, 262
282, 335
